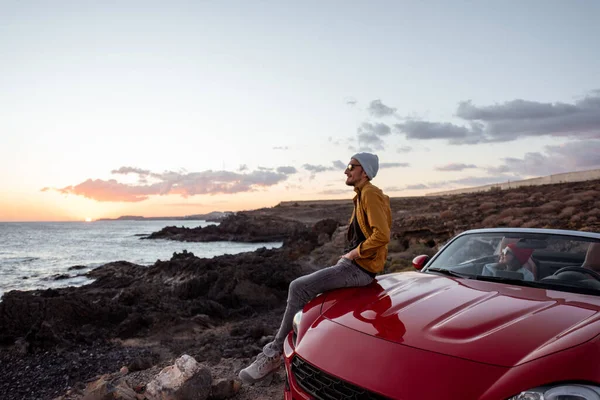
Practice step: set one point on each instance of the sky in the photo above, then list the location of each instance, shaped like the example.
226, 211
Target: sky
155, 108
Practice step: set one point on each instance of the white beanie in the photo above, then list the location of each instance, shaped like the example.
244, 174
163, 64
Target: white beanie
369, 163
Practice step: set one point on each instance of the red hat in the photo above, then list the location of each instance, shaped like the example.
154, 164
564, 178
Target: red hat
520, 253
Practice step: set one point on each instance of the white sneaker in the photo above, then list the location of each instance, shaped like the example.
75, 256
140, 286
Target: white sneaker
260, 369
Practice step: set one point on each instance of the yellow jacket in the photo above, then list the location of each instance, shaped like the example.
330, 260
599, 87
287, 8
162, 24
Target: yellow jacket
374, 216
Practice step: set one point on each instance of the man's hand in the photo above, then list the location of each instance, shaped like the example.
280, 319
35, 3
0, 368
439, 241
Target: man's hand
351, 255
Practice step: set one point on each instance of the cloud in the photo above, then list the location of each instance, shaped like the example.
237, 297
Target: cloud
393, 165
469, 181
479, 180
515, 109
462, 182
571, 156
287, 170
369, 142
143, 174
393, 189
173, 183
416, 187
280, 148
378, 109
379, 129
403, 149
315, 169
351, 101
339, 165
131, 170
455, 167
111, 190
369, 136
426, 130
512, 120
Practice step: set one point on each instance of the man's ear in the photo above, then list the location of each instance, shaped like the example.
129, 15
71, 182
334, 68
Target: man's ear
364, 174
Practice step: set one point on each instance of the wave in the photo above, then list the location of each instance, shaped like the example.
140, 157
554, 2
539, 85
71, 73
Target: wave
18, 260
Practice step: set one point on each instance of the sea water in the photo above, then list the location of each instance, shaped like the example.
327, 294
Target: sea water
34, 254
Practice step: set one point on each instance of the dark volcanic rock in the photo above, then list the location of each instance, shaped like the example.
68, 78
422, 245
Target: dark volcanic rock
128, 300
177, 303
239, 227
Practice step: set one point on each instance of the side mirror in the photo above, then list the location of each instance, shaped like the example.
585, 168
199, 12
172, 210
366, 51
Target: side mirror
420, 261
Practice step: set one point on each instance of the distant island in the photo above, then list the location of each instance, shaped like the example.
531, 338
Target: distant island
211, 216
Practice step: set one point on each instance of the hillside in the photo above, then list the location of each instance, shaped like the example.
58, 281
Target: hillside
421, 224
212, 216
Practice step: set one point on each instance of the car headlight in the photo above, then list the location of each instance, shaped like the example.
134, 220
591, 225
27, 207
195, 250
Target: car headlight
560, 392
295, 324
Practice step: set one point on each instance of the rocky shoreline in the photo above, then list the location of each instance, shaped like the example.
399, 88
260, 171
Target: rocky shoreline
216, 310
134, 320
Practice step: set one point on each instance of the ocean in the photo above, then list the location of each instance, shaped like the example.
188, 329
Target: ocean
33, 254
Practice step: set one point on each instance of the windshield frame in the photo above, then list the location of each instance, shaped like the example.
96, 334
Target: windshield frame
570, 259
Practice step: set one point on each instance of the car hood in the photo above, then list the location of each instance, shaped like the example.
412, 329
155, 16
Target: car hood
487, 322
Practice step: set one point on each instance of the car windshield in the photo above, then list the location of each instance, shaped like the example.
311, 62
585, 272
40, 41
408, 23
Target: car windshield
553, 261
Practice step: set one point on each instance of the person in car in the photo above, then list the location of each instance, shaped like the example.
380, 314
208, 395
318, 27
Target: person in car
530, 264
592, 257
368, 236
512, 258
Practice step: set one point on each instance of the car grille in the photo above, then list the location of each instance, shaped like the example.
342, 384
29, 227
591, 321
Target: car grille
326, 387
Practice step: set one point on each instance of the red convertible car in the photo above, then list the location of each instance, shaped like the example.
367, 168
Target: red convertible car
498, 314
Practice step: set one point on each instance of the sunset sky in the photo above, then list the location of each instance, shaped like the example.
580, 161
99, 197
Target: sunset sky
160, 108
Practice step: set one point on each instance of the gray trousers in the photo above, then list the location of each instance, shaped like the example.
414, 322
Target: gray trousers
343, 274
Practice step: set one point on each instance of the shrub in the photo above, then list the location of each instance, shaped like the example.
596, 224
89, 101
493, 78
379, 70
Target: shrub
588, 195
567, 212
489, 205
549, 207
515, 196
395, 246
532, 224
512, 203
523, 211
573, 202
447, 214
490, 222
536, 197
508, 212
515, 223
595, 212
